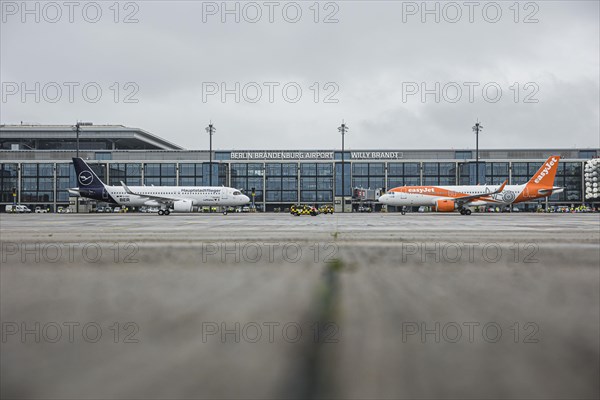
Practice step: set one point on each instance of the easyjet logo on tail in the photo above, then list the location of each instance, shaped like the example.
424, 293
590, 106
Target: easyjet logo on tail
546, 169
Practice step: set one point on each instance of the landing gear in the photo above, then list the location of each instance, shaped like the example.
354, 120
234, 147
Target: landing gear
225, 212
465, 211
163, 212
403, 211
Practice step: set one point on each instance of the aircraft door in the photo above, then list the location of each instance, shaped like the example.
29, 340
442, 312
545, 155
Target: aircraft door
224, 194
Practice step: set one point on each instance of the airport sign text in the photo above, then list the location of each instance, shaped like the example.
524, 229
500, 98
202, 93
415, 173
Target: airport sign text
282, 155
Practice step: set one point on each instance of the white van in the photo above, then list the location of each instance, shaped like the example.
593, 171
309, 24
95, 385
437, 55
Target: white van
17, 209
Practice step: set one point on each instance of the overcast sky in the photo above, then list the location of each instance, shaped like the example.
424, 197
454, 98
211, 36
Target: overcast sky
399, 78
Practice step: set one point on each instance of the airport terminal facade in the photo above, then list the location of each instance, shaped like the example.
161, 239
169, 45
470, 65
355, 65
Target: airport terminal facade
35, 164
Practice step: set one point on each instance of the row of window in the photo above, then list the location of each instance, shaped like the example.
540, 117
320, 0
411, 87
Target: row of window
306, 169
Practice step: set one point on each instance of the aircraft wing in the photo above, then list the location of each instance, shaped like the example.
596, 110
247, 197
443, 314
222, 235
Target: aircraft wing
161, 199
467, 199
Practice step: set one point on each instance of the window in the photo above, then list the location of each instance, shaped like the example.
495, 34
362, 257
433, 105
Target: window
376, 183
463, 155
395, 182
289, 196
273, 169
289, 183
411, 169
273, 196
308, 169
308, 196
430, 169
324, 169
587, 154
376, 169
324, 196
360, 182
274, 183
395, 169
447, 169
308, 184
255, 169
411, 181
360, 169
289, 169
188, 170
239, 170
519, 169
324, 183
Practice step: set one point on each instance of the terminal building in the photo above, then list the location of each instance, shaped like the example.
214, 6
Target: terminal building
36, 168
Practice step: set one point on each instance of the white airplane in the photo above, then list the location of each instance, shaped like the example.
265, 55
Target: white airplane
177, 198
450, 198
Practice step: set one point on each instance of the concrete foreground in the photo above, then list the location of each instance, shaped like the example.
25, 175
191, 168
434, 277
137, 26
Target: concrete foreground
275, 306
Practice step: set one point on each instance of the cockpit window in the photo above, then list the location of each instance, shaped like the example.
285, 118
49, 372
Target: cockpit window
237, 193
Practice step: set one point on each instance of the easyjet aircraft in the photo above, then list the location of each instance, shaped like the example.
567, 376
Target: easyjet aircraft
450, 198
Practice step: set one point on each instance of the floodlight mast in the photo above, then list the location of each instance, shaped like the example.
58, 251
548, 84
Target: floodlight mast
78, 126
210, 129
343, 129
477, 128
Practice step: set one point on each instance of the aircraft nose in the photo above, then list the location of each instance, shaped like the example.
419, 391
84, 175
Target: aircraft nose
383, 199
246, 199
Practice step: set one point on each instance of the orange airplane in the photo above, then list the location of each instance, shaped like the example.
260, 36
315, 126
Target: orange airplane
450, 198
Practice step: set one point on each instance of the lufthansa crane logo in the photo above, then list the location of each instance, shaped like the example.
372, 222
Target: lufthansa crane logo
85, 178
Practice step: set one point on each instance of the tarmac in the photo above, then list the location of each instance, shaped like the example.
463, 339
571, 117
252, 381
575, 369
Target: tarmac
248, 306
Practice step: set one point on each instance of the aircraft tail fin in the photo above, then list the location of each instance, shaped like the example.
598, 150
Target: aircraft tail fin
545, 175
86, 178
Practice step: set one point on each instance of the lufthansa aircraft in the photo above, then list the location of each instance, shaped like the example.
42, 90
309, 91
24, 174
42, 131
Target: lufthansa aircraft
450, 198
177, 198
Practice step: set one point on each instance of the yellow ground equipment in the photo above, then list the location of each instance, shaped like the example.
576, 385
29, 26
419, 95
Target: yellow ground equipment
326, 209
303, 210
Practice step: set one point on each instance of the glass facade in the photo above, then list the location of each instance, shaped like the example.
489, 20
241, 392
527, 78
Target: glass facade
37, 182
190, 174
496, 173
281, 181
65, 179
8, 181
130, 173
278, 183
439, 173
467, 173
316, 182
403, 174
160, 174
248, 176
569, 177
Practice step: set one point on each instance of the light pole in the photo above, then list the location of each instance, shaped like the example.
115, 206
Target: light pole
210, 129
478, 127
343, 129
78, 126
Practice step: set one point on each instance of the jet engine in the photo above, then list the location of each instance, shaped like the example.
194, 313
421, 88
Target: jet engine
444, 205
183, 205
